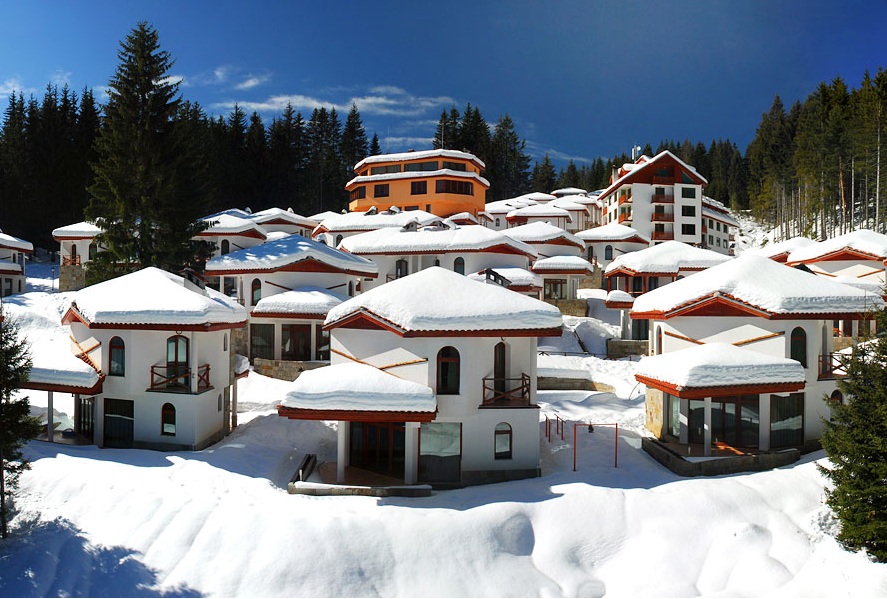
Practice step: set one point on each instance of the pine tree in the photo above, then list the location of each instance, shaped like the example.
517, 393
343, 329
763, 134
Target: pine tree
447, 132
508, 169
147, 195
17, 426
375, 148
286, 160
855, 440
354, 146
544, 177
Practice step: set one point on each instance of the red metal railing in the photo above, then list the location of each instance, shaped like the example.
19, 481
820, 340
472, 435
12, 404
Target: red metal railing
661, 198
71, 260
662, 235
831, 366
662, 217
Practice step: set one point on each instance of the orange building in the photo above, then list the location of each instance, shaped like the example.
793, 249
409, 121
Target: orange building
443, 182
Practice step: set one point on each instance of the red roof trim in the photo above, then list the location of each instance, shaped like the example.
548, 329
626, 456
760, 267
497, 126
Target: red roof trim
354, 415
290, 315
844, 253
62, 388
364, 319
500, 248
309, 264
715, 392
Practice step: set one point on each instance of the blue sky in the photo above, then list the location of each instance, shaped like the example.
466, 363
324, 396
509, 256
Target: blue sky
581, 79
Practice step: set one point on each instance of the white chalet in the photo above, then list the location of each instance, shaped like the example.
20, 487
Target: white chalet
780, 251
277, 220
560, 262
432, 380
859, 254
399, 252
743, 354
334, 229
229, 233
77, 243
162, 345
12, 263
606, 242
495, 213
289, 285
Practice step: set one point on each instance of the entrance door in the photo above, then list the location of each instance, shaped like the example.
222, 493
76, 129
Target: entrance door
379, 447
295, 342
86, 417
177, 363
499, 369
118, 423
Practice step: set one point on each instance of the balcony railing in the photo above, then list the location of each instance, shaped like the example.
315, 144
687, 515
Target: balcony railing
71, 260
662, 217
661, 198
831, 366
624, 199
506, 392
625, 216
663, 235
176, 378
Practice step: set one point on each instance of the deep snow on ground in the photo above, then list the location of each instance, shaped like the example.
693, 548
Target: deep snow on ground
110, 522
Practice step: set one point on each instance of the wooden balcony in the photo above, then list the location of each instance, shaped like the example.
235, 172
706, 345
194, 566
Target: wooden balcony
174, 378
831, 366
623, 199
661, 198
662, 217
507, 392
662, 235
625, 216
71, 260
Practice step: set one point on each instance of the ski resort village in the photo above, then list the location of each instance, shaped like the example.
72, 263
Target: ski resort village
566, 393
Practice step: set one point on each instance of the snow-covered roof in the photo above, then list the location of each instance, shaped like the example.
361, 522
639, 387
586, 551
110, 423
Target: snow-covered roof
463, 218
421, 155
152, 297
712, 208
862, 240
668, 257
519, 278
321, 216
304, 300
467, 238
762, 285
631, 169
542, 232
54, 364
568, 191
226, 224
619, 297
505, 206
270, 214
14, 243
361, 221
537, 196
539, 211
719, 364
275, 255
611, 232
352, 386
567, 203
438, 300
562, 264
783, 247
81, 230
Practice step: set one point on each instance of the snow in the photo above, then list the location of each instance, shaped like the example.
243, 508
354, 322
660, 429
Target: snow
358, 387
444, 172
540, 211
542, 232
269, 214
782, 247
617, 296
423, 155
152, 296
14, 243
719, 364
610, 232
436, 299
81, 230
667, 257
557, 264
228, 224
273, 255
359, 221
433, 239
519, 277
862, 240
764, 284
219, 522
304, 300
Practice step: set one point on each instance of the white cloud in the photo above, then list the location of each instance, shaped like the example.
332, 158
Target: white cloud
253, 81
61, 78
13, 84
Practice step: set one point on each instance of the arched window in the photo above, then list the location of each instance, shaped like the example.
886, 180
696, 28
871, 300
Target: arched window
256, 291
177, 362
658, 349
338, 240
502, 441
437, 261
459, 265
837, 396
93, 250
117, 357
497, 222
448, 371
799, 346
350, 288
499, 369
168, 419
608, 252
226, 246
225, 342
401, 269
219, 402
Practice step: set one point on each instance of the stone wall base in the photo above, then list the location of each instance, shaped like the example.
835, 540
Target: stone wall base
718, 466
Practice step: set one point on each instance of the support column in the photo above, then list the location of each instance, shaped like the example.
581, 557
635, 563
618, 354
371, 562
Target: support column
342, 450
707, 428
78, 413
685, 421
49, 422
764, 426
411, 453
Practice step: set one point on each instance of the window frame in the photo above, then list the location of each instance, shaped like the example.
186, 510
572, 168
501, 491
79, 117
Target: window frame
503, 431
448, 376
113, 349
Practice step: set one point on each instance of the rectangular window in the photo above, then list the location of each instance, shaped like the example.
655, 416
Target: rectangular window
382, 170
718, 225
688, 229
408, 208
674, 415
413, 167
711, 240
688, 210
295, 342
418, 188
786, 420
555, 289
322, 344
380, 190
359, 193
454, 166
261, 341
458, 187
719, 242
688, 192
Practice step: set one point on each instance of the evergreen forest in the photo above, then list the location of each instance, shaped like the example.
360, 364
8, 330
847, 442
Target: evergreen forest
810, 168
